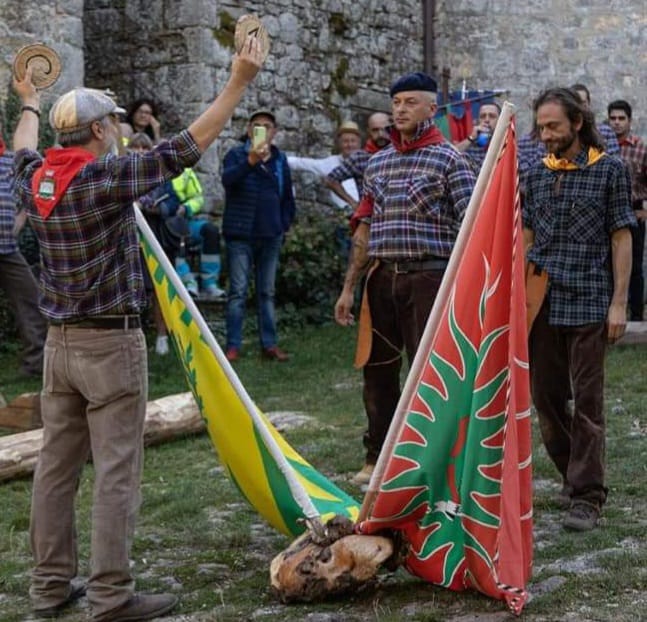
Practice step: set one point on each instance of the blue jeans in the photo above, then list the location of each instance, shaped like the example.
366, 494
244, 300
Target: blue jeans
263, 255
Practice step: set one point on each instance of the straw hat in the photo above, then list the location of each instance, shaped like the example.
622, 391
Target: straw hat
348, 127
44, 61
251, 25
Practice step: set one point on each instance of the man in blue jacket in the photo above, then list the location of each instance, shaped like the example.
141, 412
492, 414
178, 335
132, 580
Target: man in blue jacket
259, 209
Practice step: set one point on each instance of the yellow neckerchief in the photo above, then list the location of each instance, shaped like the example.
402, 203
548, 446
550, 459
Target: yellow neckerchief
562, 164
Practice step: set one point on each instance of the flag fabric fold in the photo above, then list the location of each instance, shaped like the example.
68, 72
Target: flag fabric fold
266, 479
458, 482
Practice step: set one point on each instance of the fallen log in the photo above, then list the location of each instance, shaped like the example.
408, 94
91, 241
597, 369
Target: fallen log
166, 418
22, 413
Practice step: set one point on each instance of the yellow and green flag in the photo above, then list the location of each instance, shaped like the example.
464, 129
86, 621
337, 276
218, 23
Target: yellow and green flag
282, 486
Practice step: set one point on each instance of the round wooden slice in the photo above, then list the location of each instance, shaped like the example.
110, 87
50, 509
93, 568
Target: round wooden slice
44, 61
251, 25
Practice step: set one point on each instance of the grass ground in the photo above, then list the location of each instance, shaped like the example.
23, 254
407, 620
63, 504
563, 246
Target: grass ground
198, 537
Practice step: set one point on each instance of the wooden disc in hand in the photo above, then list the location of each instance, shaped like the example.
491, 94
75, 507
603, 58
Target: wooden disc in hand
251, 25
44, 61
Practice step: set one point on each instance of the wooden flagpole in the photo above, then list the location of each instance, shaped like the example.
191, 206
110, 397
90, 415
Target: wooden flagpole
297, 490
442, 298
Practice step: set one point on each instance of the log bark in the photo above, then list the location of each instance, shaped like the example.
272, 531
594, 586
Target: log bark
23, 413
166, 418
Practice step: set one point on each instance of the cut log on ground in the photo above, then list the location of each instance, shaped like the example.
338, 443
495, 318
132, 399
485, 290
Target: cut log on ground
312, 569
23, 413
166, 418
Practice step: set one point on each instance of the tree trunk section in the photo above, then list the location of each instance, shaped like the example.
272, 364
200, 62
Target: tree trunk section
166, 418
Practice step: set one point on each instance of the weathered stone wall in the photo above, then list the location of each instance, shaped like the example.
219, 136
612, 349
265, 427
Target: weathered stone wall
331, 59
59, 24
527, 46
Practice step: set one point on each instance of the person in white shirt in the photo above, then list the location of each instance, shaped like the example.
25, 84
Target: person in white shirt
349, 139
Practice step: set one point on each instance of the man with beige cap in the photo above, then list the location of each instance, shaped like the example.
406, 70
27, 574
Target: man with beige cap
349, 140
353, 165
79, 199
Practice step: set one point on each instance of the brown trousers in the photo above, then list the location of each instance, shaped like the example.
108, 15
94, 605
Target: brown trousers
400, 305
562, 357
20, 287
95, 385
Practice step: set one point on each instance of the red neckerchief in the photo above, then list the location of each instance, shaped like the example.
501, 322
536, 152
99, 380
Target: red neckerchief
51, 180
627, 140
431, 136
2, 147
371, 147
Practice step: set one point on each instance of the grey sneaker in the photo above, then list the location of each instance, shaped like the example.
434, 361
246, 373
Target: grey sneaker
583, 516
140, 607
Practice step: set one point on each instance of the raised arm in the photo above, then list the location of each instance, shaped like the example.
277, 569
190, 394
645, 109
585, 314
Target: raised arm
26, 134
206, 128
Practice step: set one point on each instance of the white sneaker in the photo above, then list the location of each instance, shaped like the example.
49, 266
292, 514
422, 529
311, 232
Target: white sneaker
213, 291
192, 288
161, 345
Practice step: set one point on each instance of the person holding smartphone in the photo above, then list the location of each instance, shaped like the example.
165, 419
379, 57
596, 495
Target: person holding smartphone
259, 209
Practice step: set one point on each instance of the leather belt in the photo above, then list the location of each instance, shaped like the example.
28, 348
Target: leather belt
402, 267
104, 322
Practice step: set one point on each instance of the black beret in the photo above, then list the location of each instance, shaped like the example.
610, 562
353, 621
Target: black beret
417, 81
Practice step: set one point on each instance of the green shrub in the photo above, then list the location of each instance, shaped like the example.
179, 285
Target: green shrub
312, 268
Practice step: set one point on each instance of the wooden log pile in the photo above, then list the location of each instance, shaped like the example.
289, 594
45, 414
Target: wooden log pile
166, 418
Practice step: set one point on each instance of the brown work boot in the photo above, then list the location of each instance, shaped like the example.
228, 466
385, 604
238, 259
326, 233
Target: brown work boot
275, 354
583, 516
140, 607
77, 590
564, 497
364, 476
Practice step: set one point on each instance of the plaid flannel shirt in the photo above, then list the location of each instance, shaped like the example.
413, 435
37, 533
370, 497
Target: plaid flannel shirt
573, 214
531, 150
352, 166
476, 156
633, 152
8, 243
91, 262
419, 198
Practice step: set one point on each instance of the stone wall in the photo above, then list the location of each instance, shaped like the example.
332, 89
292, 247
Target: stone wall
331, 59
59, 24
328, 63
527, 46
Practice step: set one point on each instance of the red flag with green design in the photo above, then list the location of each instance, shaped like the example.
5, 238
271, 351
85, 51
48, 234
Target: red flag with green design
458, 483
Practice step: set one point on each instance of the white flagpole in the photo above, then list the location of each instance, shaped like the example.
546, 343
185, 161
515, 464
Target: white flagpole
297, 490
420, 360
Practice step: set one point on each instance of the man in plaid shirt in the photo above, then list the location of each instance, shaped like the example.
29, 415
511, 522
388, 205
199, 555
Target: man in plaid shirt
416, 191
633, 151
354, 165
577, 218
79, 199
16, 278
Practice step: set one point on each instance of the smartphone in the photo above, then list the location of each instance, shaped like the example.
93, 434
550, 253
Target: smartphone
259, 135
